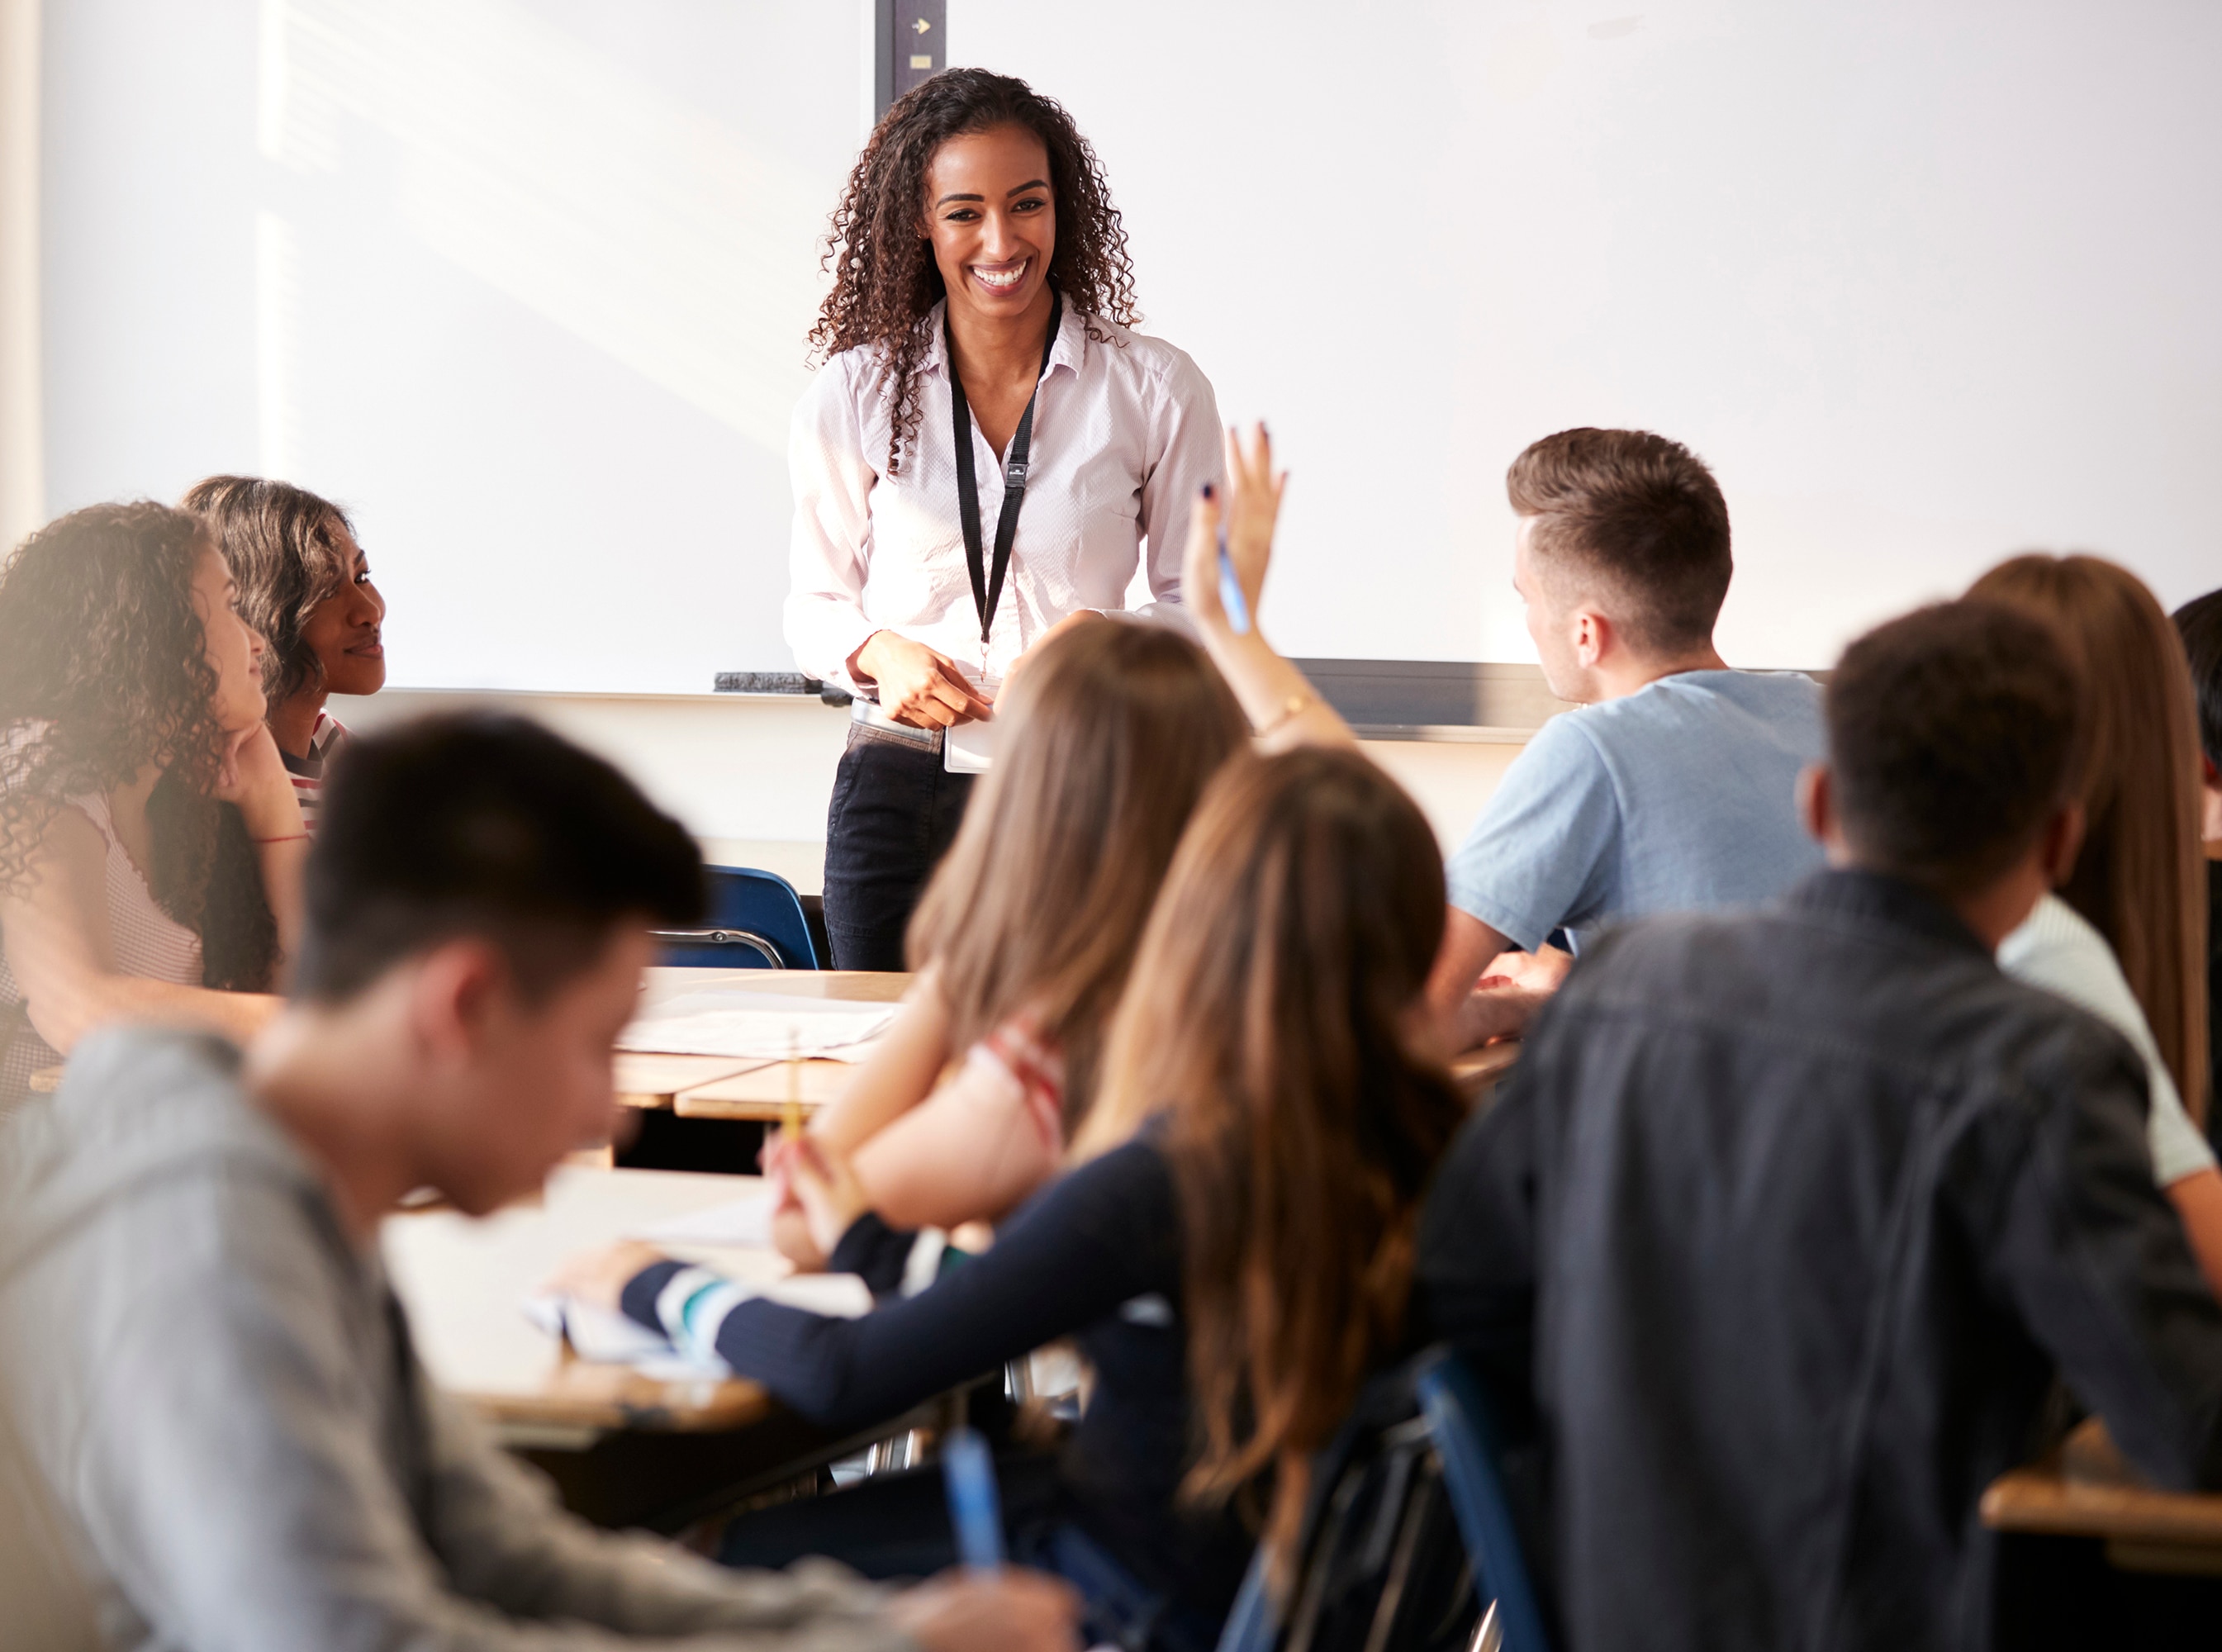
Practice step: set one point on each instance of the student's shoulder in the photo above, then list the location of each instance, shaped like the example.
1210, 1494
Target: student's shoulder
1703, 703
142, 1114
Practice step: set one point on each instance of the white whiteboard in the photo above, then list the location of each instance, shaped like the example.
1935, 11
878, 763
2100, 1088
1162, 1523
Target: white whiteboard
526, 284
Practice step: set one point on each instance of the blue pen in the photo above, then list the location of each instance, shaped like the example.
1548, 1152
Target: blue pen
1230, 591
974, 1507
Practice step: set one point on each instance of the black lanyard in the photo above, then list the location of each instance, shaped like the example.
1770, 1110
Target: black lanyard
987, 588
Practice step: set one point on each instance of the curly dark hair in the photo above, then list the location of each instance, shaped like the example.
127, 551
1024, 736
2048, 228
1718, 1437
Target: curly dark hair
885, 281
104, 670
282, 543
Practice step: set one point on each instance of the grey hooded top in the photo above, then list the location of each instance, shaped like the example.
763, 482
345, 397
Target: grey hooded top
229, 1436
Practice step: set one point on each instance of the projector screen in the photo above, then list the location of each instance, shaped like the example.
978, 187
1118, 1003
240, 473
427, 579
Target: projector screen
526, 286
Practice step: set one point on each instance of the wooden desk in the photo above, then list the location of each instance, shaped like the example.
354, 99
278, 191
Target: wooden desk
624, 1449
713, 1087
2086, 1490
463, 1282
717, 1087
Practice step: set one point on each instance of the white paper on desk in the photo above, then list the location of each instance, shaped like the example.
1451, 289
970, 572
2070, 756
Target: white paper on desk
738, 1222
734, 1024
596, 1333
609, 1338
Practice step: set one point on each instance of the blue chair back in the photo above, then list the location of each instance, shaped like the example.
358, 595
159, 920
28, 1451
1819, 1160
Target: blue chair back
1465, 1444
754, 921
1459, 1432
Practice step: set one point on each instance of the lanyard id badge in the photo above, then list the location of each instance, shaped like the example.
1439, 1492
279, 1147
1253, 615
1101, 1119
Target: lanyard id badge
988, 584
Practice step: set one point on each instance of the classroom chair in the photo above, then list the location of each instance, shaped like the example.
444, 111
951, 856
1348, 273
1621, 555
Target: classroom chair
1409, 1538
754, 921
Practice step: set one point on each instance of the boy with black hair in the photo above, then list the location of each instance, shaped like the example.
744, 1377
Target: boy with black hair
203, 1358
1790, 1216
2200, 623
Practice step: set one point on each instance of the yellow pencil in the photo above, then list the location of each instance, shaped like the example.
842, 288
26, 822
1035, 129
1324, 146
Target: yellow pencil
790, 1115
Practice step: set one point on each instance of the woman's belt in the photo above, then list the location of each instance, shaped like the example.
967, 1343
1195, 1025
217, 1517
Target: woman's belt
868, 712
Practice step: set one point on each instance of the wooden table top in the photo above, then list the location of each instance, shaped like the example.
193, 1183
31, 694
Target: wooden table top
674, 1081
717, 1087
463, 1282
2086, 1490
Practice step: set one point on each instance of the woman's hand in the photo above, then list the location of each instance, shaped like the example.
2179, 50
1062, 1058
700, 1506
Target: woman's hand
819, 1179
597, 1278
919, 685
252, 776
1252, 507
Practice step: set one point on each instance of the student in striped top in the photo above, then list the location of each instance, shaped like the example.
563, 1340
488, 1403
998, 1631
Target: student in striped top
150, 847
304, 584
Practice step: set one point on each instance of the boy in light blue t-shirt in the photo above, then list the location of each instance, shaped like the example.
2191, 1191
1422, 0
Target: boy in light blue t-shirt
1673, 787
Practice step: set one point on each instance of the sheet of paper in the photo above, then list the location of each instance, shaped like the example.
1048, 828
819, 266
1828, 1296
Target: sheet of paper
742, 1221
759, 1025
608, 1338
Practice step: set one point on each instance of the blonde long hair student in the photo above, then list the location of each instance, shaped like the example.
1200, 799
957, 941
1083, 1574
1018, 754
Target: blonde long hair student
1025, 938
2140, 879
1275, 1026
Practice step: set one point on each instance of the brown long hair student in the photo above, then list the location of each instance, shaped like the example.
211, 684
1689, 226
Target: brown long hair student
2140, 878
1271, 1024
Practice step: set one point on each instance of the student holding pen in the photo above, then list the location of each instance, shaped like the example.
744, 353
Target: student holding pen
1238, 1223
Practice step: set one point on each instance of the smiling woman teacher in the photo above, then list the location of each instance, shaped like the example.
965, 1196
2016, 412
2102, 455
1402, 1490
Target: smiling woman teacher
983, 456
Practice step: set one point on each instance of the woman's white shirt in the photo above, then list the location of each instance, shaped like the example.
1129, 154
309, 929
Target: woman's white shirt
1125, 434
2058, 948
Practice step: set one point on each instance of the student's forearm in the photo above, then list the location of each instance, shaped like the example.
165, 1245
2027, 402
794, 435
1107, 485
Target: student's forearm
283, 863
1467, 945
1277, 698
901, 1074
2198, 1201
66, 1013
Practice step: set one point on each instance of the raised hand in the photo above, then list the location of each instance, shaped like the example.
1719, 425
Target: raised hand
1249, 508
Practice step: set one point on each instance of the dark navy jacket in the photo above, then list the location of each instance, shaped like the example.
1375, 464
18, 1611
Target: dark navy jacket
1784, 1223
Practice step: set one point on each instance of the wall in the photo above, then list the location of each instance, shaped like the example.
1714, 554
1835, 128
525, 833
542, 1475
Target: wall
750, 775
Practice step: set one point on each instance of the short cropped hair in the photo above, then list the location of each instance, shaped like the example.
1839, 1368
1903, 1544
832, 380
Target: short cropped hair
2199, 622
1955, 733
1640, 514
489, 825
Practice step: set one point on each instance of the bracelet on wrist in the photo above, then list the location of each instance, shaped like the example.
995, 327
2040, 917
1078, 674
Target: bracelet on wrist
1295, 705
286, 837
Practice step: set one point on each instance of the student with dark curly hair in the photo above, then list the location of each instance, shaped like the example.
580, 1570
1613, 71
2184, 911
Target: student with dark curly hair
304, 584
980, 359
150, 845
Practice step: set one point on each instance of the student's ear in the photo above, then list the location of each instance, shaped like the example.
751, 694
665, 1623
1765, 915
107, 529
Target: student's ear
2061, 841
453, 996
1817, 802
1592, 636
